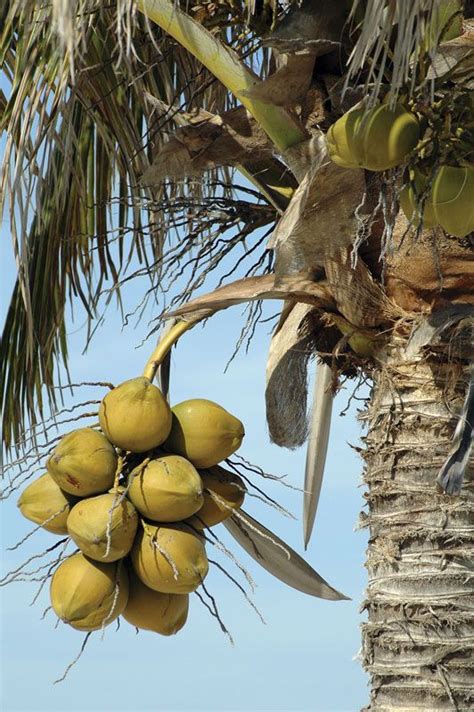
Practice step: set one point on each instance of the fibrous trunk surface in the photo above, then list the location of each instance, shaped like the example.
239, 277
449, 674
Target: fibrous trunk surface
418, 641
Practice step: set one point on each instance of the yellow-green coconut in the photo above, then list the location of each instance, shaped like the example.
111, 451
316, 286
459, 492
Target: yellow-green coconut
453, 199
164, 613
45, 503
375, 139
167, 489
169, 559
339, 139
88, 595
223, 492
83, 463
383, 137
135, 415
203, 432
91, 519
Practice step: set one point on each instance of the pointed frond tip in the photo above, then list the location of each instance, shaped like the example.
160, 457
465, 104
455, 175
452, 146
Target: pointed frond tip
318, 440
274, 555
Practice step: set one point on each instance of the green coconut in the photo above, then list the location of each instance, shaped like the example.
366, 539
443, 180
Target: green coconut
164, 613
339, 139
453, 199
45, 503
411, 197
382, 137
83, 463
104, 527
87, 594
223, 493
135, 416
203, 432
167, 489
169, 559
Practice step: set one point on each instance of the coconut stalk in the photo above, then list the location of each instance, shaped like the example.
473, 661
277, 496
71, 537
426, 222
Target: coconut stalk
418, 641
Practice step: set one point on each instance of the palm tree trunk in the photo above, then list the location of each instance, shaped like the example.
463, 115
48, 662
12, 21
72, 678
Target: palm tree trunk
418, 641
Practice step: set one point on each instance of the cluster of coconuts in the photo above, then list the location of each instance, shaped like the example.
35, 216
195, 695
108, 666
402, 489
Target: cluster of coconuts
135, 499
382, 138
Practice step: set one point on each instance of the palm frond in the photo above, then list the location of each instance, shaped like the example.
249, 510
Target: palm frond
80, 133
393, 39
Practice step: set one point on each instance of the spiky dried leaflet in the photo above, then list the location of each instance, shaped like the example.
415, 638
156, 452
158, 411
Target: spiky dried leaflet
104, 527
135, 416
204, 432
163, 613
83, 463
167, 489
45, 503
169, 559
86, 594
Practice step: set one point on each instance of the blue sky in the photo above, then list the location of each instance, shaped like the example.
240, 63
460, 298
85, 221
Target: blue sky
302, 659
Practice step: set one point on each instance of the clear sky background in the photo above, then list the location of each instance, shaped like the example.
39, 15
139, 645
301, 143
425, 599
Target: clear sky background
302, 659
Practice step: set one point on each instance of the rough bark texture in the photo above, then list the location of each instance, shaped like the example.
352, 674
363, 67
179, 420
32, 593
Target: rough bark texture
418, 641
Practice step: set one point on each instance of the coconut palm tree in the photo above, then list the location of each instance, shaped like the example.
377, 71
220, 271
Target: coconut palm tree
132, 124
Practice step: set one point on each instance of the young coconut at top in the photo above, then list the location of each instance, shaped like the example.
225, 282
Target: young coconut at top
163, 613
83, 463
169, 559
203, 432
45, 503
166, 489
135, 416
88, 595
104, 527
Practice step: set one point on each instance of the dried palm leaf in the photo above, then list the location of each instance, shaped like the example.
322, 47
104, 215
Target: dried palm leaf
454, 60
226, 140
291, 347
297, 287
268, 174
321, 218
268, 550
289, 83
318, 441
358, 296
311, 27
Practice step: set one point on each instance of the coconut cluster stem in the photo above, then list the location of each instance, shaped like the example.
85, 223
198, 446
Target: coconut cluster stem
165, 345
